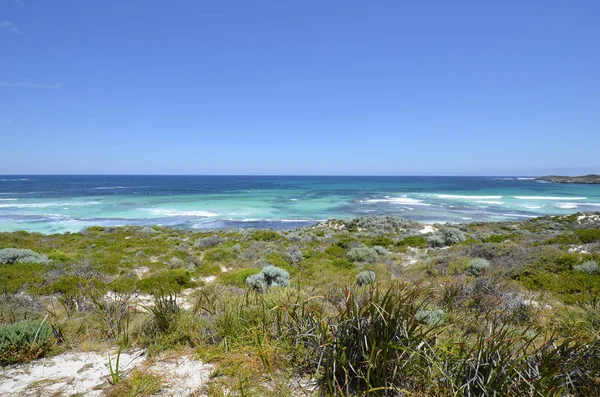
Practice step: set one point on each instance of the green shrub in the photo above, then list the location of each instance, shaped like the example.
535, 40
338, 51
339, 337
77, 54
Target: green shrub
342, 263
499, 238
588, 235
477, 265
172, 280
238, 278
269, 277
265, 235
24, 341
14, 277
381, 241
413, 241
220, 254
335, 251
589, 267
15, 255
366, 277
362, 254
123, 285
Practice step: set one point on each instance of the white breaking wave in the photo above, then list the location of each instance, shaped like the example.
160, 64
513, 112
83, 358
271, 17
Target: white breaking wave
118, 187
525, 179
293, 199
45, 205
170, 212
548, 198
397, 200
567, 205
532, 207
520, 215
490, 202
575, 205
458, 196
8, 199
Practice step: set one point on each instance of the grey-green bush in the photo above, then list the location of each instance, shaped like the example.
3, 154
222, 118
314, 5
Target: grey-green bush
362, 254
477, 265
590, 267
381, 251
23, 341
15, 255
431, 317
270, 276
210, 241
366, 277
446, 235
293, 255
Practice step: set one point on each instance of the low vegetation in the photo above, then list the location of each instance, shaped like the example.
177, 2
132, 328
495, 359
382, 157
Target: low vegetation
376, 306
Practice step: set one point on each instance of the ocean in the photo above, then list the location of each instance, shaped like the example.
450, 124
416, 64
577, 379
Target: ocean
56, 204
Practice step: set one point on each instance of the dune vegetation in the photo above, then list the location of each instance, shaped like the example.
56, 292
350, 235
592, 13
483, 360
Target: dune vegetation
377, 306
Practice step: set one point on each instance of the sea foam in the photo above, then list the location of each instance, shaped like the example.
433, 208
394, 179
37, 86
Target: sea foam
46, 205
397, 200
459, 196
548, 198
171, 212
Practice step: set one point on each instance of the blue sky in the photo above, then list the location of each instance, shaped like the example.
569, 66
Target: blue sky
299, 87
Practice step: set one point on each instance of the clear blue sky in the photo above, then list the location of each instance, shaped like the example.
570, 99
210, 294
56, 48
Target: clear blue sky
299, 87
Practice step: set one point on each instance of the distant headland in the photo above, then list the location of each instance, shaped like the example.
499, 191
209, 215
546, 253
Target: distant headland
585, 179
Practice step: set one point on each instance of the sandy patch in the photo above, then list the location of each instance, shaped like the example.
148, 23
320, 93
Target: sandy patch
427, 229
87, 373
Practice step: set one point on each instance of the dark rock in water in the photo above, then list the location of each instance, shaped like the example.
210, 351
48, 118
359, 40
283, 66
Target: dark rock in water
585, 179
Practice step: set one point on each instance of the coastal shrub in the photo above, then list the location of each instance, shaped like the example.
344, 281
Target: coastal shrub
362, 254
14, 278
209, 242
452, 235
269, 277
589, 267
148, 230
435, 241
176, 262
366, 277
380, 250
24, 341
345, 241
379, 224
335, 251
265, 235
172, 280
15, 255
238, 278
413, 241
431, 317
588, 235
381, 241
477, 265
293, 255
219, 254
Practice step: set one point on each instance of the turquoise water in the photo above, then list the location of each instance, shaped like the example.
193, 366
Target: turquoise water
51, 204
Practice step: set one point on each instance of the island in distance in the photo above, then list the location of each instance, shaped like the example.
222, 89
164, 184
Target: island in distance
585, 179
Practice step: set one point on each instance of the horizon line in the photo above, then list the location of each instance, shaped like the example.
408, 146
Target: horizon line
296, 175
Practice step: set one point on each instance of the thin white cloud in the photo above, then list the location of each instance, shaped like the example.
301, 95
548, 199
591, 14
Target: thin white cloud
6, 25
29, 84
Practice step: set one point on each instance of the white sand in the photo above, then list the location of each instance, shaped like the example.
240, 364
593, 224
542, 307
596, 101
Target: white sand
88, 373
